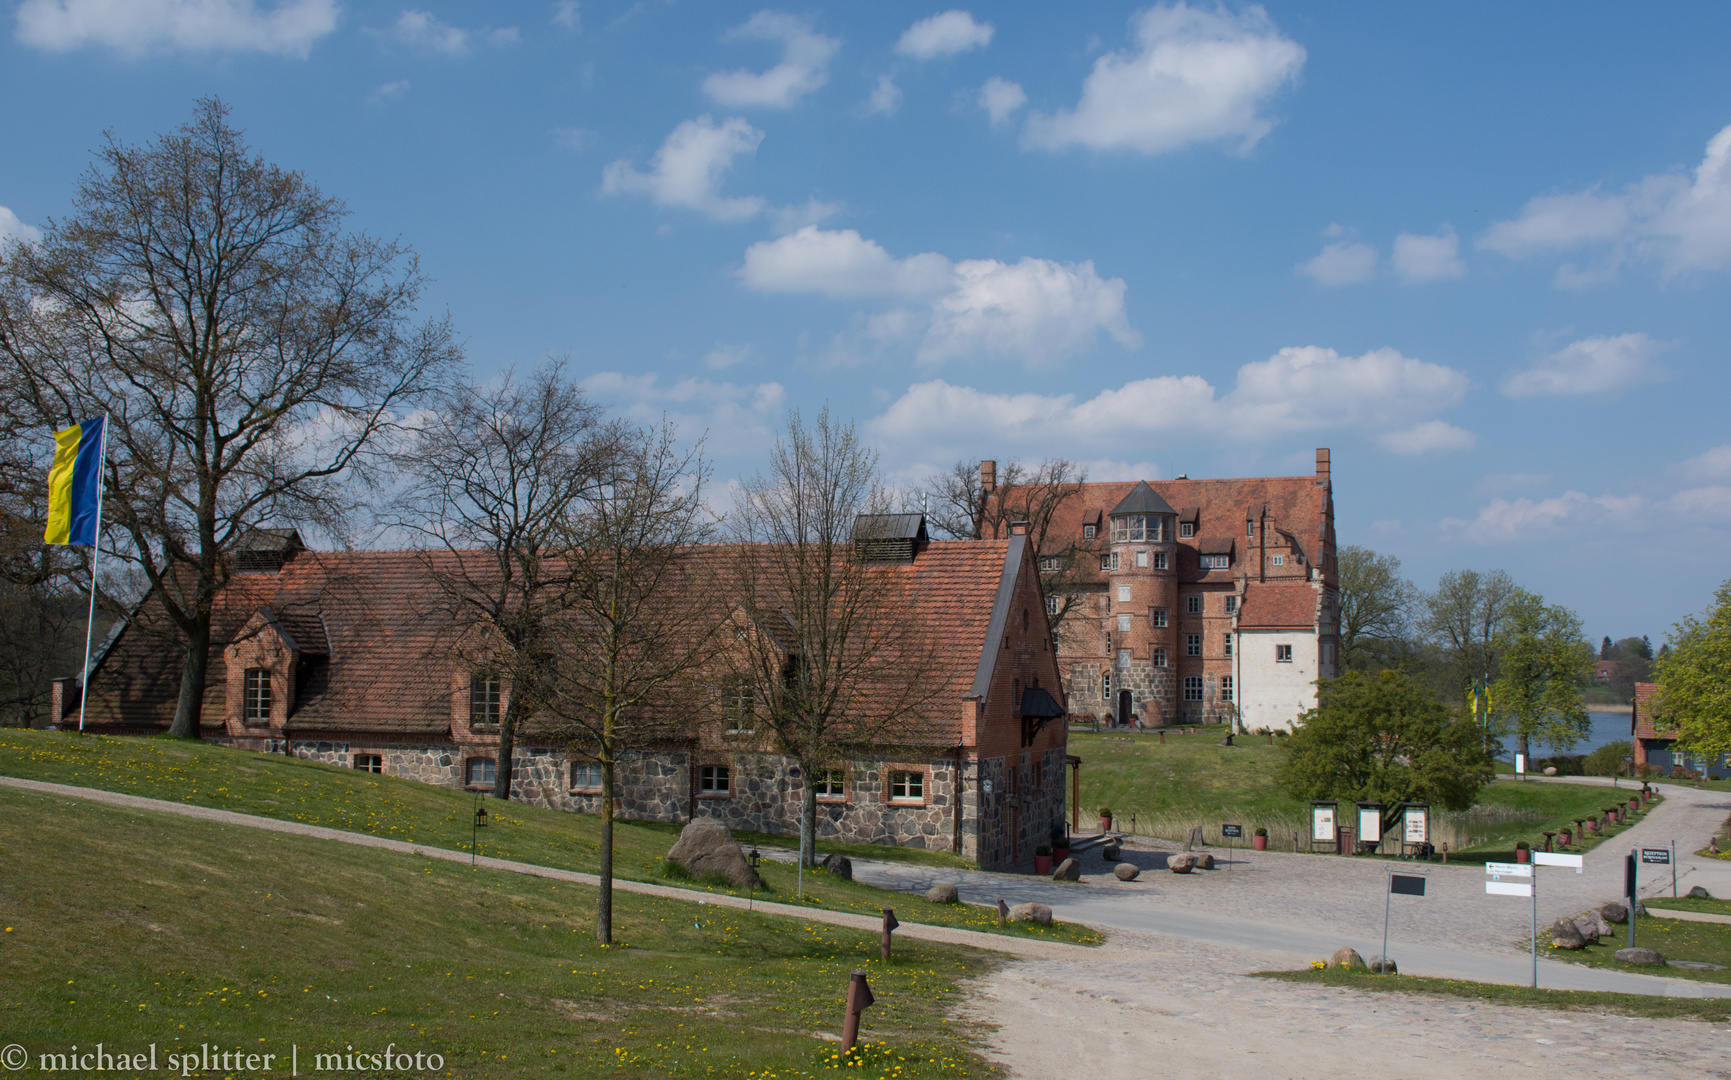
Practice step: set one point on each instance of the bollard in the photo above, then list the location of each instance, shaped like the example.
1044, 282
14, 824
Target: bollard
1162, 738
859, 995
1003, 912
1445, 852
890, 923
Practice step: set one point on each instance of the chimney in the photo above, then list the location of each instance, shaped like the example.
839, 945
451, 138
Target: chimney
1018, 528
1322, 465
988, 476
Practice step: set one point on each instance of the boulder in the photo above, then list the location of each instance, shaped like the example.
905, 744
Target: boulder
1346, 957
1068, 870
1382, 965
1112, 852
1550, 770
838, 866
1126, 871
943, 894
706, 847
1566, 935
1588, 928
1614, 912
1698, 893
1034, 913
1204, 861
1181, 864
1638, 955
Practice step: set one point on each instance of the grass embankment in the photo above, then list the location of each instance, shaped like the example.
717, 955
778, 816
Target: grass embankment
1675, 939
1187, 781
199, 774
1713, 1010
130, 927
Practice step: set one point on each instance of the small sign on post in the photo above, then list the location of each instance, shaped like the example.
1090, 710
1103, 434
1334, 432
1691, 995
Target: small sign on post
1529, 888
1403, 885
1228, 833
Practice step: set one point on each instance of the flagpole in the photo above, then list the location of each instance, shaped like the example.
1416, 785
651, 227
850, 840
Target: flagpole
95, 557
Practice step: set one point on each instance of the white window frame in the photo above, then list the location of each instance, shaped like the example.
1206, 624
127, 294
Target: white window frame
1159, 657
1088, 532
1225, 688
1124, 623
1192, 644
1193, 605
1157, 617
1283, 654
912, 783
1278, 560
1216, 562
473, 765
1159, 560
1231, 604
1051, 563
1109, 562
486, 698
1051, 605
373, 763
1186, 530
830, 784
256, 696
714, 781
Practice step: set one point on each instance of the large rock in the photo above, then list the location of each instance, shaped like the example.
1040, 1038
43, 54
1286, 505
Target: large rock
1068, 870
1638, 955
705, 847
1346, 957
1588, 928
943, 894
1126, 871
1614, 912
1034, 913
838, 866
1181, 864
1566, 935
1600, 923
1204, 861
1112, 852
1698, 893
1383, 965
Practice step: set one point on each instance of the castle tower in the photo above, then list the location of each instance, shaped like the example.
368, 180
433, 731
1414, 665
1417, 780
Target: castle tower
1142, 601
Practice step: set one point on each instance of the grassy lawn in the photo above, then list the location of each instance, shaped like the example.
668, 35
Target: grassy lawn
200, 774
1510, 810
130, 927
1675, 939
1712, 1010
1707, 906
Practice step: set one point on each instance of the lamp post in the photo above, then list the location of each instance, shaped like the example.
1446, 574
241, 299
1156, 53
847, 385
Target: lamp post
752, 857
480, 823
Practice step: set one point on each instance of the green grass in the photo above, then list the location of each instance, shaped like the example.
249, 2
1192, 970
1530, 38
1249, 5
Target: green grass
1675, 939
1527, 810
133, 927
1712, 1010
201, 774
1704, 906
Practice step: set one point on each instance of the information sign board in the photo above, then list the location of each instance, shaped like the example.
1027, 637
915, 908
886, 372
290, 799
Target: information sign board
1508, 888
1417, 825
1520, 763
1406, 885
1657, 856
1231, 830
1552, 858
1322, 823
1508, 869
1370, 824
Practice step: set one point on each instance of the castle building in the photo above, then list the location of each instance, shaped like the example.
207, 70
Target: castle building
1194, 601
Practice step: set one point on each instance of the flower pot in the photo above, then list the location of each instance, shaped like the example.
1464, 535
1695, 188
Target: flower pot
1563, 838
1060, 854
1260, 843
1105, 823
1042, 864
1522, 855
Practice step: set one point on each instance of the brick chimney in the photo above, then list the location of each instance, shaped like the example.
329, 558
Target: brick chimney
1322, 465
1018, 528
988, 476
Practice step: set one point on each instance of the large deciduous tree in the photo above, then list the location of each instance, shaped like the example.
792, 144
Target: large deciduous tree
247, 348
1382, 737
1464, 617
828, 652
1694, 677
1543, 660
1375, 608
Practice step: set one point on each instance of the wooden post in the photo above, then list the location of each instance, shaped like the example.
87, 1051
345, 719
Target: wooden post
859, 995
890, 923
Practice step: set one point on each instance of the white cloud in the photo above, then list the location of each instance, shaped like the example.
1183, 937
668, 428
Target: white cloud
1034, 310
1000, 98
886, 97
288, 28
689, 167
1595, 365
1680, 222
1714, 464
1428, 258
804, 63
1298, 390
13, 229
1505, 520
793, 218
1197, 76
1343, 262
725, 356
568, 15
944, 35
1429, 437
422, 30
736, 417
388, 92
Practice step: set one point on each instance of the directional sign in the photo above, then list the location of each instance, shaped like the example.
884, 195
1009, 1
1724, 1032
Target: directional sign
1508, 888
1231, 830
1549, 858
1656, 855
1406, 884
1509, 869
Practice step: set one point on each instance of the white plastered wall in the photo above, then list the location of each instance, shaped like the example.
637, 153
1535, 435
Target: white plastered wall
1272, 693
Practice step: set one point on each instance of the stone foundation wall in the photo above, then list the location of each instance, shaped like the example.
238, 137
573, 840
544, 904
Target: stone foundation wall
1005, 827
768, 789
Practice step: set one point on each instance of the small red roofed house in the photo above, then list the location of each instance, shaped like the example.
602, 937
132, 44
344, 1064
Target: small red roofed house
1655, 746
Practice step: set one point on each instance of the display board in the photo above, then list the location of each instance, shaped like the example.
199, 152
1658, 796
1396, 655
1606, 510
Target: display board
1322, 824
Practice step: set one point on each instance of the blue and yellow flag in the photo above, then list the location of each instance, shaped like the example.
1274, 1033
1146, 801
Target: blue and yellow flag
75, 484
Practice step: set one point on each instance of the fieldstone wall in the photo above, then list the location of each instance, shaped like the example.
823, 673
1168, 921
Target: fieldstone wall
1153, 692
1003, 829
768, 788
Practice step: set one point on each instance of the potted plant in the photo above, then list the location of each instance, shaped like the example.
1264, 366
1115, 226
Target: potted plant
1564, 838
1042, 859
1105, 819
1060, 845
1523, 852
1260, 840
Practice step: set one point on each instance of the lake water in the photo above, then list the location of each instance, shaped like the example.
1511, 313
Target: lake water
1608, 727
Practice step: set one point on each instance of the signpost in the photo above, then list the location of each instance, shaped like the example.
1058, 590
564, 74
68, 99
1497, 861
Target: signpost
1227, 832
1520, 766
1658, 856
1405, 885
1629, 891
1498, 887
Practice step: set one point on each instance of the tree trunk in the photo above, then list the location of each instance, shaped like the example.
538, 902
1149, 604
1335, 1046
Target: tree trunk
507, 745
190, 707
808, 821
1521, 744
604, 903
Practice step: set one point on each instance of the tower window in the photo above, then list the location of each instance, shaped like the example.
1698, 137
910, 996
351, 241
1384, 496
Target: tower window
1193, 645
256, 700
1157, 617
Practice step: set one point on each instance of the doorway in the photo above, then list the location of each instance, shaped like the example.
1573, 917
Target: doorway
1123, 708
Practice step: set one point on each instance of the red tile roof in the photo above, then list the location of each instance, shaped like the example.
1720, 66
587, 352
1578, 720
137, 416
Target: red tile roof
1278, 606
1642, 720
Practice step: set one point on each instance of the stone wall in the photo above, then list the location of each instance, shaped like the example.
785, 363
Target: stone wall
1004, 826
767, 790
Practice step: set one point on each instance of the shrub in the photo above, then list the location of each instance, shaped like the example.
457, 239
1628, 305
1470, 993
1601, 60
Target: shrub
1607, 760
1522, 845
676, 871
1105, 811
1260, 831
1042, 849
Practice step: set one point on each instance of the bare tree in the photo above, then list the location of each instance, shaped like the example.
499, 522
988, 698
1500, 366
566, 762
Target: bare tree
829, 652
639, 617
1464, 617
497, 472
1376, 606
247, 350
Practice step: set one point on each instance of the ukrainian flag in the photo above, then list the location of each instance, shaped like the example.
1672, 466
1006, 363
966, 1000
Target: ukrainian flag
75, 484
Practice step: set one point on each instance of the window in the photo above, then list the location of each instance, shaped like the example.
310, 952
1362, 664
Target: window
1231, 604
1123, 624
483, 698
1141, 558
714, 780
1228, 644
1225, 688
1159, 560
1088, 532
1283, 654
1192, 644
369, 762
1250, 528
1216, 562
1124, 593
1159, 657
1109, 561
1186, 530
1051, 605
1133, 528
479, 772
1192, 688
1328, 654
1157, 617
585, 776
907, 787
736, 702
255, 704
829, 783
1193, 605
1049, 563
1278, 560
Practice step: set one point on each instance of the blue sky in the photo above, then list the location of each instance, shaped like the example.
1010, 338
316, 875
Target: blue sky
1480, 251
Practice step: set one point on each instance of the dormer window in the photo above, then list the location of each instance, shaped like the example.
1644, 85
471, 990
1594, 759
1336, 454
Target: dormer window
1186, 530
1088, 531
484, 698
1216, 562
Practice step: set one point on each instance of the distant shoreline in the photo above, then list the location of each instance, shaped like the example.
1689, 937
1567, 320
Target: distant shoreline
1624, 709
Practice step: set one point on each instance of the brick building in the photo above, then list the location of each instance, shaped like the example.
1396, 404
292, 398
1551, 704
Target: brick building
1655, 746
350, 658
1196, 600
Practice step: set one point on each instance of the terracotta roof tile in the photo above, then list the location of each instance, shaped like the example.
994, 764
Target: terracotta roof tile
1278, 606
1642, 720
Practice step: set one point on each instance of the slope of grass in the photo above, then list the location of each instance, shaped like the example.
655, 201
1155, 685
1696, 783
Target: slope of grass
132, 927
1675, 939
1510, 811
289, 789
1712, 1010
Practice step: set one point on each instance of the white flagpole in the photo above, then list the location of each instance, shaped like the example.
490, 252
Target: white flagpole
95, 555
